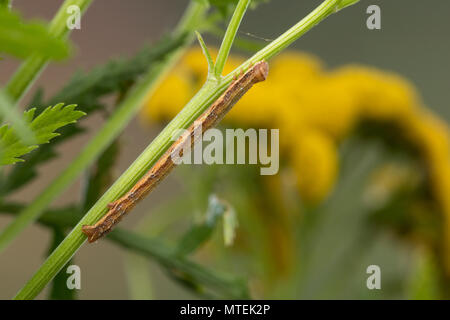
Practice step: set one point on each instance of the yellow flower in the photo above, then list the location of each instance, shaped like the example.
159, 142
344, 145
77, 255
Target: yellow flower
295, 68
315, 109
385, 182
194, 63
173, 93
331, 108
315, 161
429, 134
257, 108
432, 138
382, 96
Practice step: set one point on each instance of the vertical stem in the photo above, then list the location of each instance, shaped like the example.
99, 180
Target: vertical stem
204, 98
111, 129
230, 34
325, 9
33, 66
116, 123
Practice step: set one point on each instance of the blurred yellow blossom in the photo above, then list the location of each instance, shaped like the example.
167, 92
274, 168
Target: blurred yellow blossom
299, 96
380, 95
315, 161
315, 109
174, 92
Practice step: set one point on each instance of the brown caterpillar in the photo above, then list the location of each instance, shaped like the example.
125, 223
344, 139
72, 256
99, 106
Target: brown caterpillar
119, 208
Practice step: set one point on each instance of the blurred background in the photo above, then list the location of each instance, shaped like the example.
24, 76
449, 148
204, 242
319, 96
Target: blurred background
297, 249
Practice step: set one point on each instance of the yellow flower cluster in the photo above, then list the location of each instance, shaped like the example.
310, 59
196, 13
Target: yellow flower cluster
315, 109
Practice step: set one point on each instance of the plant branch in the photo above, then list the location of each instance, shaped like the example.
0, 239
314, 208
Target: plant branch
229, 36
225, 285
30, 69
112, 128
207, 95
11, 115
228, 286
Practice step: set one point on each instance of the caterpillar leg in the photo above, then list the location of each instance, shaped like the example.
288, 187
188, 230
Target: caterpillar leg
90, 232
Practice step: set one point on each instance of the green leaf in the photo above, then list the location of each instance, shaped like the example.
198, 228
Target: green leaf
230, 223
43, 127
87, 90
10, 114
181, 268
22, 39
199, 234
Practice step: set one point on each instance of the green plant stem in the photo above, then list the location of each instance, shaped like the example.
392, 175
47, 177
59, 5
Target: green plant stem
30, 69
209, 92
225, 285
117, 122
229, 36
230, 287
59, 289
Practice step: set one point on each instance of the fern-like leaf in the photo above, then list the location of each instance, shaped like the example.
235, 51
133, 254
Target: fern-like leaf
87, 90
43, 127
22, 39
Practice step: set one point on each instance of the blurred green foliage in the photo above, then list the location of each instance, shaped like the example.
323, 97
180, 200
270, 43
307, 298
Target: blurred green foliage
22, 39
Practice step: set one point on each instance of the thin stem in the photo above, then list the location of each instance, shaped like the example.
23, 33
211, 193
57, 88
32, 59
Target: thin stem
327, 8
229, 36
205, 50
112, 128
228, 286
207, 95
225, 285
33, 66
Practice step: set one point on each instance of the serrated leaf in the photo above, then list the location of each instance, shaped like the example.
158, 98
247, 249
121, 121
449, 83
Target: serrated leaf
87, 90
22, 39
43, 128
10, 114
